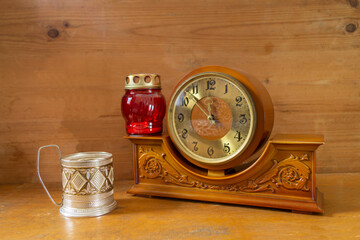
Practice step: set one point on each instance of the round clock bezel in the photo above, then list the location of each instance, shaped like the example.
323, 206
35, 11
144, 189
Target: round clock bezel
264, 115
171, 119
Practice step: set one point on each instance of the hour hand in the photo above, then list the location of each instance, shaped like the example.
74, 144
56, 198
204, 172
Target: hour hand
207, 114
209, 101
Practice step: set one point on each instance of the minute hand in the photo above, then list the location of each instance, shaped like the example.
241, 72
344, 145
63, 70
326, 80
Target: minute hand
208, 115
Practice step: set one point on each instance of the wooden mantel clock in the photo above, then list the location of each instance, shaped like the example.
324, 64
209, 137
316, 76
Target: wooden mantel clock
218, 149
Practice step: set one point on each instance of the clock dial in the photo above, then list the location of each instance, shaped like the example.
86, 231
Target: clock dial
212, 118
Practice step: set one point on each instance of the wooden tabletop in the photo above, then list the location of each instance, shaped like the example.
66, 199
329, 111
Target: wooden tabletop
27, 213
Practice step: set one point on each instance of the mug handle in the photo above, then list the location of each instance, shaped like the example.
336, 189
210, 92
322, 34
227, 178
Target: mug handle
38, 171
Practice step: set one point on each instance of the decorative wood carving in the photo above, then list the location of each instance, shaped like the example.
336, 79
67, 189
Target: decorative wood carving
283, 177
290, 173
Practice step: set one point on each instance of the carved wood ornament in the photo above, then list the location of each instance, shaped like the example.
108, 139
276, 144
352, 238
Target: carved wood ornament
283, 178
290, 173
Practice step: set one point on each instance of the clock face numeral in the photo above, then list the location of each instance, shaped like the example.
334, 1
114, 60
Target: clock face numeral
238, 100
211, 119
210, 85
181, 117
195, 89
184, 134
238, 136
243, 119
226, 148
210, 151
195, 146
185, 101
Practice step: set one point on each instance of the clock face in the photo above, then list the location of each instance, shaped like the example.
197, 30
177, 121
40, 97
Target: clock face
211, 118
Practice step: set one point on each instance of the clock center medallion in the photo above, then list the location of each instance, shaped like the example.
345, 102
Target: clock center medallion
213, 121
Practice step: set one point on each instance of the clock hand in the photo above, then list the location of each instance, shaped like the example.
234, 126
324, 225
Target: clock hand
209, 117
209, 105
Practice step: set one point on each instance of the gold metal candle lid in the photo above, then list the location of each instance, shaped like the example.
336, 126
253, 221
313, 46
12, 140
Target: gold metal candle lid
143, 81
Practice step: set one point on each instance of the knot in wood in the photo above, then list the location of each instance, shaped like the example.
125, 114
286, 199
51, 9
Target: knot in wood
350, 28
353, 3
53, 33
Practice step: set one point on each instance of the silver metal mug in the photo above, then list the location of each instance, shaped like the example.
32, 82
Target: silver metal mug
87, 181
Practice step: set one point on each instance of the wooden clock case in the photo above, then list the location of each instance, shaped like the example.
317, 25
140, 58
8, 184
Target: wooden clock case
280, 175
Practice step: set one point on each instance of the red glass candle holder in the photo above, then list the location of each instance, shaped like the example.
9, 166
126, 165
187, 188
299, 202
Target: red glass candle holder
143, 106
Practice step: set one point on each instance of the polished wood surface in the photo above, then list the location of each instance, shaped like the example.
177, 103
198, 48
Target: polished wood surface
27, 213
63, 66
284, 176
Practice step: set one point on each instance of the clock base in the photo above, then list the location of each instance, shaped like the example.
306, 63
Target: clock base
282, 177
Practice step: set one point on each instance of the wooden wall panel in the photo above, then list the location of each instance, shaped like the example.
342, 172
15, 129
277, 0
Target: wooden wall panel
63, 63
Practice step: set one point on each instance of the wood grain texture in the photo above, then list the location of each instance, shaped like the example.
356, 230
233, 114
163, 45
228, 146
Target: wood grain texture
63, 64
27, 213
